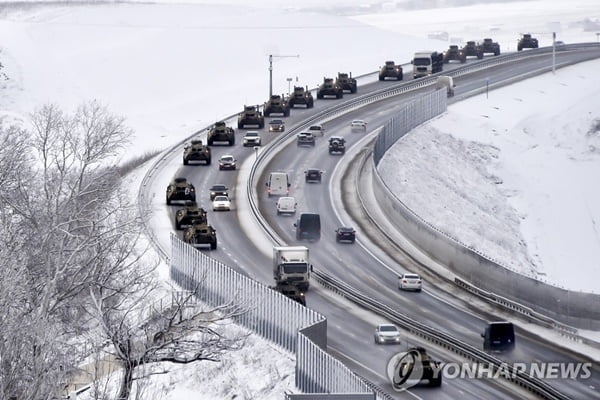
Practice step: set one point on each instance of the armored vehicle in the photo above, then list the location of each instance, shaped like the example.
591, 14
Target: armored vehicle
180, 189
472, 50
337, 144
291, 291
277, 105
347, 82
454, 54
200, 233
220, 132
489, 46
196, 151
301, 97
527, 42
414, 366
191, 212
330, 88
391, 70
251, 117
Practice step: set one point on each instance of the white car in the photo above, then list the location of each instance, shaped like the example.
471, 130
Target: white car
410, 282
358, 125
252, 138
221, 203
286, 205
387, 333
316, 130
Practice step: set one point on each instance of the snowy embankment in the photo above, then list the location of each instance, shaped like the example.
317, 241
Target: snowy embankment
514, 175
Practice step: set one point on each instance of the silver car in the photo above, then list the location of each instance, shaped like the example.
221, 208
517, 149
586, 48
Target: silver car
410, 282
387, 334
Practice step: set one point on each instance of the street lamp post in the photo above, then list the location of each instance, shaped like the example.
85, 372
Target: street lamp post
271, 71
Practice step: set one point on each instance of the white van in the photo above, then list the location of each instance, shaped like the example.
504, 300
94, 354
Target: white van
278, 184
286, 205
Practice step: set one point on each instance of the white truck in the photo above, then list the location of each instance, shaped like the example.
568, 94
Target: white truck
426, 63
291, 266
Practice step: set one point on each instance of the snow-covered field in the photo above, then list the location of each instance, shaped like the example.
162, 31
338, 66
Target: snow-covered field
171, 68
517, 175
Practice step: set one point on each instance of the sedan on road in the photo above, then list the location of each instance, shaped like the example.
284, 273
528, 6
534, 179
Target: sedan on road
387, 334
218, 190
410, 282
227, 161
221, 203
358, 125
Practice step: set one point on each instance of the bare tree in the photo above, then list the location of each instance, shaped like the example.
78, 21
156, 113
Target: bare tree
178, 330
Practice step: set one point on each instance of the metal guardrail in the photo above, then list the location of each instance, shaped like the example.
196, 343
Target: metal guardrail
526, 381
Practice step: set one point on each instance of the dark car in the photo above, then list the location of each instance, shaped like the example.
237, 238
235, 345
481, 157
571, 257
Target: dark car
313, 175
227, 161
276, 125
218, 190
499, 336
345, 234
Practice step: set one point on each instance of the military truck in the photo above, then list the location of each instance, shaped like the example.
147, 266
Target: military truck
488, 46
472, 50
291, 266
200, 234
330, 88
391, 70
291, 291
190, 213
180, 189
414, 366
301, 97
337, 144
277, 105
251, 117
454, 54
527, 42
196, 151
220, 132
347, 82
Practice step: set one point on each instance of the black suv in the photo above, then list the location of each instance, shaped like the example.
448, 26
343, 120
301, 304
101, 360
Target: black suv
337, 144
218, 190
313, 175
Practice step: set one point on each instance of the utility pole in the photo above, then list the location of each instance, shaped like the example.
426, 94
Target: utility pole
271, 70
554, 52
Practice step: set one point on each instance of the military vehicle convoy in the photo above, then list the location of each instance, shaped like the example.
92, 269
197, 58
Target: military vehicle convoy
302, 97
471, 49
199, 234
488, 46
220, 132
180, 189
391, 70
330, 88
347, 82
251, 117
196, 151
184, 217
277, 105
454, 54
527, 42
337, 144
